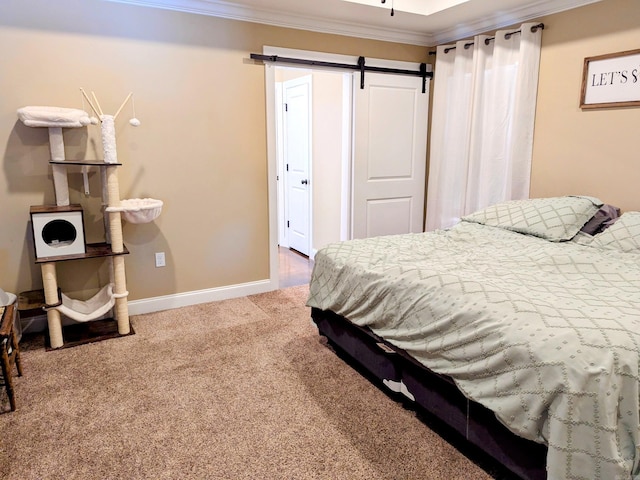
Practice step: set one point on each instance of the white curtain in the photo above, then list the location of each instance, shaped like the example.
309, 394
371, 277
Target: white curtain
484, 104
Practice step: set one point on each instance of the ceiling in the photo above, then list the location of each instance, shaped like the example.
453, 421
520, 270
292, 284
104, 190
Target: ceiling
418, 22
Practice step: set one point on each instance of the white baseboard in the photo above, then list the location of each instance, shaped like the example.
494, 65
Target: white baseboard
166, 302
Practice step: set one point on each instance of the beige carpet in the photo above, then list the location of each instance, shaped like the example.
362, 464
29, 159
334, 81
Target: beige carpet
238, 389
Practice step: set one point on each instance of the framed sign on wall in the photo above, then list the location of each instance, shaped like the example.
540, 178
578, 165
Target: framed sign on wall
611, 80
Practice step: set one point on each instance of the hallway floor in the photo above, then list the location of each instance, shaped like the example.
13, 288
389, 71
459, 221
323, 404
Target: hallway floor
294, 268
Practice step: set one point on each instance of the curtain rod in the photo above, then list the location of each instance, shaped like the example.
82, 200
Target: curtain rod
359, 66
507, 36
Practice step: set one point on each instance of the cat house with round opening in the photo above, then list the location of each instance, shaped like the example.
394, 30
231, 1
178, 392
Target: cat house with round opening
57, 230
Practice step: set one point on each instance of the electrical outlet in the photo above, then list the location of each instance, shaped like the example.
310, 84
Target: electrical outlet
160, 260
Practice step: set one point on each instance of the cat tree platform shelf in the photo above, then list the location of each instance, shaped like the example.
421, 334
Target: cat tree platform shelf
94, 331
94, 250
86, 163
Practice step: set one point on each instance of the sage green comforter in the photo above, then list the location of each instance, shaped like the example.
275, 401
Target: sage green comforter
546, 335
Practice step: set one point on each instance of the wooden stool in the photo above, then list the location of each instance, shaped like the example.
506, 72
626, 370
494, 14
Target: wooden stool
10, 352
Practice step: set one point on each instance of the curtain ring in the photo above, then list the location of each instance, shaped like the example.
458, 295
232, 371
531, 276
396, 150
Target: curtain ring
535, 28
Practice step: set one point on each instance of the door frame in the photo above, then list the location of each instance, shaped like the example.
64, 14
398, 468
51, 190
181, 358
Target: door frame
272, 155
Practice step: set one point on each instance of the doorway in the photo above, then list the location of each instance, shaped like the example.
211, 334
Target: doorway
313, 123
296, 115
334, 186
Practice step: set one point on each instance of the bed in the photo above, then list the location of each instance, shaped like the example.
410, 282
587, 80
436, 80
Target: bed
514, 311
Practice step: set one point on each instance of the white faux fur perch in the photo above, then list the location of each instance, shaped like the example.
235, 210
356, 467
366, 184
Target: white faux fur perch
37, 116
138, 210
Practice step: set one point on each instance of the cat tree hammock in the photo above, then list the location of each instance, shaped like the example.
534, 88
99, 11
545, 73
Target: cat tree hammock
62, 238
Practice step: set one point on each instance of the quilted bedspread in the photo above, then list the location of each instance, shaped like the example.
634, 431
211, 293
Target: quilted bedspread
544, 334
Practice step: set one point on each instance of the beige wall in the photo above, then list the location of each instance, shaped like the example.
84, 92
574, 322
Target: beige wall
202, 144
201, 147
592, 152
327, 157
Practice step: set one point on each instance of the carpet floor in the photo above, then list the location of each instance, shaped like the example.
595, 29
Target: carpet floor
236, 389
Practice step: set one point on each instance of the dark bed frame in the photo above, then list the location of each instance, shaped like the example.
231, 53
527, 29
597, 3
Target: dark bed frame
469, 422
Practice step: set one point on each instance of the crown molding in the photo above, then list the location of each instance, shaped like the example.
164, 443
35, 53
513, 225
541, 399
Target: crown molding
507, 18
234, 11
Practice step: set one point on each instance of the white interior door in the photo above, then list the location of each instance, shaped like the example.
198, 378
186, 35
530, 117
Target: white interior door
297, 158
389, 159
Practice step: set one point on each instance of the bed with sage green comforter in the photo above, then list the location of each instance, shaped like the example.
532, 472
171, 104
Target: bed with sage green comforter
545, 334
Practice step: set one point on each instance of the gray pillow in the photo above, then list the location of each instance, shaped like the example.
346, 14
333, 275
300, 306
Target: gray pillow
555, 218
604, 217
623, 235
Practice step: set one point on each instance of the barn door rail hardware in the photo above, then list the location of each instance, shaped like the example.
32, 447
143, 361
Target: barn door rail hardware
360, 66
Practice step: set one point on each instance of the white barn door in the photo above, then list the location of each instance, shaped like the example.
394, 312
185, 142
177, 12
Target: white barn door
389, 163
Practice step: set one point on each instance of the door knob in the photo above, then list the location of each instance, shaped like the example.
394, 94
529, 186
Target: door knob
304, 182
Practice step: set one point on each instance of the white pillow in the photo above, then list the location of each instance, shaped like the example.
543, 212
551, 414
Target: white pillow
555, 218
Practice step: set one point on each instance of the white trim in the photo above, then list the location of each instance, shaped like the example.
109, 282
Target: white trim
310, 180
283, 237
462, 29
233, 11
345, 192
167, 302
38, 323
272, 175
506, 19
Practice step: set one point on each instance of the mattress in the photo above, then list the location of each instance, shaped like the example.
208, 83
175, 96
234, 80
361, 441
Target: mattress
438, 402
543, 333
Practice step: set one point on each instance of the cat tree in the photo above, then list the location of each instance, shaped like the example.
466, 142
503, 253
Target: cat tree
59, 231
